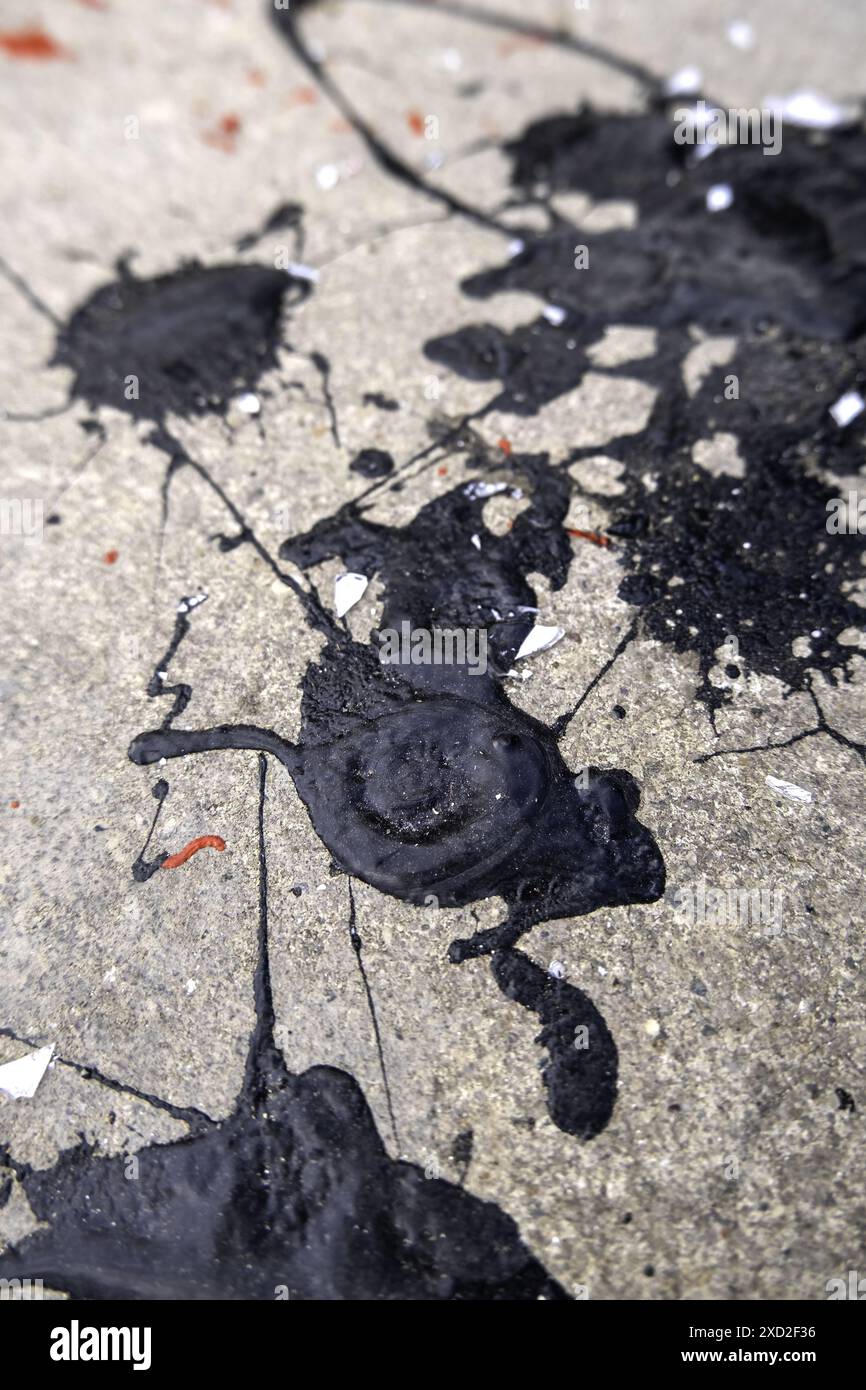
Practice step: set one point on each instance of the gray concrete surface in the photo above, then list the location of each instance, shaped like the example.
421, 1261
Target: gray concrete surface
741, 1175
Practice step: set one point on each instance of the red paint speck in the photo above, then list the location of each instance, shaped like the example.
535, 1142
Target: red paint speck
442, 470
593, 536
509, 46
14, 805
415, 122
302, 96
340, 126
110, 556
31, 43
504, 445
224, 134
256, 77
174, 861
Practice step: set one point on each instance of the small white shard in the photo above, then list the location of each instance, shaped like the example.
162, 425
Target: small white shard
515, 246
847, 408
809, 108
741, 34
186, 605
684, 82
434, 159
249, 403
301, 271
538, 639
556, 969
190, 986
554, 314
476, 541
348, 588
789, 789
327, 176
480, 489
451, 59
19, 1080
719, 197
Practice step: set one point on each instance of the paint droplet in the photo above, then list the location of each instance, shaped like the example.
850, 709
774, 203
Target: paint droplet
110, 557
174, 861
504, 445
442, 470
415, 122
14, 805
31, 43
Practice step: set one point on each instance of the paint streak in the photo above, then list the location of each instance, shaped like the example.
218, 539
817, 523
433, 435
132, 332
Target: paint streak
174, 861
31, 44
594, 536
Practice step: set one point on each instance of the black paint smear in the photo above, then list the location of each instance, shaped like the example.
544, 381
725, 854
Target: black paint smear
292, 1191
380, 401
783, 270
372, 463
424, 780
193, 338
581, 1071
142, 868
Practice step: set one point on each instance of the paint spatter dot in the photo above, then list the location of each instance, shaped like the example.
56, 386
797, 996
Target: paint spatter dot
504, 445
618, 712
303, 96
14, 805
442, 470
32, 43
174, 861
110, 557
224, 134
372, 463
732, 671
415, 122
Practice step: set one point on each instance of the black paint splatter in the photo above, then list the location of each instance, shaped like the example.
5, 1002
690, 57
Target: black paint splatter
292, 1195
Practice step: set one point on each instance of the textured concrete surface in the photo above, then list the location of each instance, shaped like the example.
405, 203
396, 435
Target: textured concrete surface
729, 1168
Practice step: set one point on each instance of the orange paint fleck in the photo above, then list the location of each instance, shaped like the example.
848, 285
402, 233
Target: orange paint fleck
224, 134
303, 96
256, 77
442, 470
340, 126
14, 805
110, 557
31, 43
504, 445
589, 536
174, 861
415, 122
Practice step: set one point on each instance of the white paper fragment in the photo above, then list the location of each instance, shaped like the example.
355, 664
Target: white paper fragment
847, 408
327, 176
538, 639
186, 605
556, 969
554, 314
479, 489
741, 34
19, 1080
348, 588
719, 197
301, 271
684, 82
249, 403
789, 789
808, 108
476, 541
